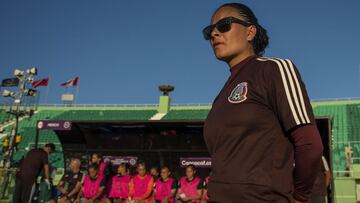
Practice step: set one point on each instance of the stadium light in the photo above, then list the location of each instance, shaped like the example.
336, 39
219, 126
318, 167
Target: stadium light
30, 79
7, 93
30, 92
20, 106
18, 73
32, 71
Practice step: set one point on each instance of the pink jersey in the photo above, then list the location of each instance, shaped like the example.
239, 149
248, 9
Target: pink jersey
189, 188
141, 185
120, 187
163, 189
91, 188
101, 169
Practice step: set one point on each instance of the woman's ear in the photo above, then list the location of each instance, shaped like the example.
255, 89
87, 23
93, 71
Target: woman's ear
251, 32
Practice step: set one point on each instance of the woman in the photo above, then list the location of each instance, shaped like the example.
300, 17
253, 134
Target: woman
141, 185
93, 187
154, 172
261, 122
119, 184
104, 170
190, 187
165, 187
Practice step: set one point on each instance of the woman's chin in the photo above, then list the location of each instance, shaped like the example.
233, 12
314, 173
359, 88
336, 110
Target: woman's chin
220, 56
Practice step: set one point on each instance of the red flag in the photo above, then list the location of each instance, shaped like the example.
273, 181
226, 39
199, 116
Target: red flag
72, 82
42, 82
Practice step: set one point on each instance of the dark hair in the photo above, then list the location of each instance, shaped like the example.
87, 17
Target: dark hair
165, 167
93, 166
51, 146
191, 166
155, 167
125, 165
97, 154
261, 40
141, 162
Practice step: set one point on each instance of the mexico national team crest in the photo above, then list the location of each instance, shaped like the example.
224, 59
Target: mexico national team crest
238, 94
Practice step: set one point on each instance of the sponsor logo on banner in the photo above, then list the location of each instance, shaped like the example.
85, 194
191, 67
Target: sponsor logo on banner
198, 162
54, 125
40, 125
117, 160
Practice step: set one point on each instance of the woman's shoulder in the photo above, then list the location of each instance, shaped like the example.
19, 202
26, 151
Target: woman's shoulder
273, 65
274, 61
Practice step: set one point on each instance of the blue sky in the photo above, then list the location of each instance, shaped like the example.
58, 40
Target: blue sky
122, 50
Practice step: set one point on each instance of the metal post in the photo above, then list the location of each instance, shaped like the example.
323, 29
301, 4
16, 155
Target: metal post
17, 114
37, 136
13, 140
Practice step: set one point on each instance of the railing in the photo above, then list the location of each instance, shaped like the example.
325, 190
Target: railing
98, 105
175, 105
122, 105
348, 173
346, 159
192, 104
336, 99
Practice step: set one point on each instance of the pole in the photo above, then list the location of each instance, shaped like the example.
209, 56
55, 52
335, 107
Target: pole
37, 136
17, 114
14, 132
47, 91
77, 93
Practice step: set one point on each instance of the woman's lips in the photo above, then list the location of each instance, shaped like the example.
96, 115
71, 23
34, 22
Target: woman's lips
216, 44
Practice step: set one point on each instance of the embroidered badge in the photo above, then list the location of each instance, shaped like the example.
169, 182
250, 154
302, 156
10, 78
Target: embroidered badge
238, 94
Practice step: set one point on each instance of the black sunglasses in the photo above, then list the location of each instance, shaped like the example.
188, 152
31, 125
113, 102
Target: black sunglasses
223, 25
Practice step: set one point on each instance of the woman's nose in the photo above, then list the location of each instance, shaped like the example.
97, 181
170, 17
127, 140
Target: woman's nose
214, 33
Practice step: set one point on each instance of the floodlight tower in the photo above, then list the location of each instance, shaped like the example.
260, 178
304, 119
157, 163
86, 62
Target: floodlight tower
17, 106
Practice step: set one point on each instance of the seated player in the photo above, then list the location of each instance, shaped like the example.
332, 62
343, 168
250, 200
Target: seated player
205, 197
70, 183
93, 187
104, 168
119, 185
165, 187
141, 185
190, 187
154, 171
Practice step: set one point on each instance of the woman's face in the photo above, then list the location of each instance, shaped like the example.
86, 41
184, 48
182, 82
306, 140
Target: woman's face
154, 172
190, 173
121, 170
229, 45
92, 172
95, 159
141, 170
165, 173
